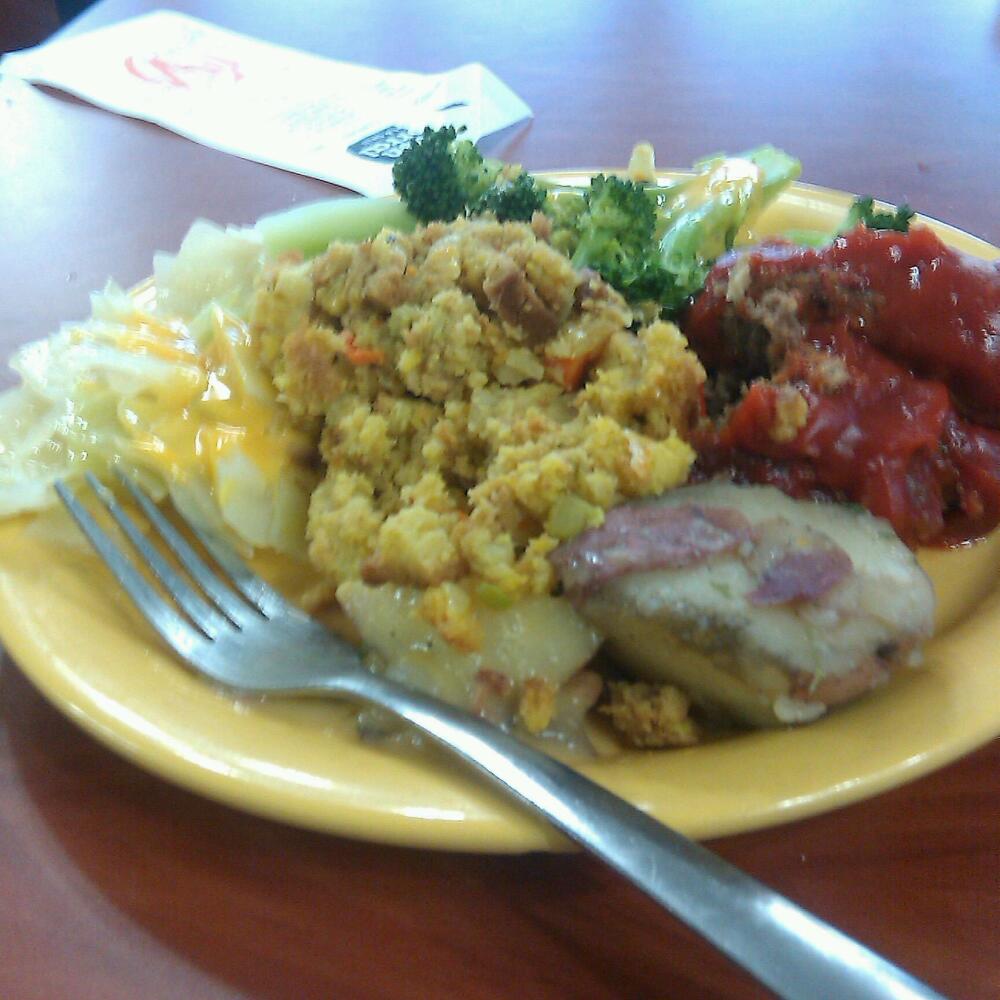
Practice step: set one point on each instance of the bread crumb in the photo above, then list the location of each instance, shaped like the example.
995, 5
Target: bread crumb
650, 715
790, 414
537, 704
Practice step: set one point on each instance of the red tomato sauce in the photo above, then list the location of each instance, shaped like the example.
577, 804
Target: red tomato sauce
910, 432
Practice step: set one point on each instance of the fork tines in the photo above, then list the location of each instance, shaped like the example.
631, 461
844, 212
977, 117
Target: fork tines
213, 608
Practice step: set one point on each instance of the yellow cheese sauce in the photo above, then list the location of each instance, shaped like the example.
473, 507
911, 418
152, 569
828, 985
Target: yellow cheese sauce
212, 407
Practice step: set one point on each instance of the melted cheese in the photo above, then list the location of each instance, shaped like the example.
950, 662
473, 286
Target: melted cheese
217, 404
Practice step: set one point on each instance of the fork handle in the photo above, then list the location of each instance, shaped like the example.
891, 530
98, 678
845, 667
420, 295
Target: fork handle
797, 955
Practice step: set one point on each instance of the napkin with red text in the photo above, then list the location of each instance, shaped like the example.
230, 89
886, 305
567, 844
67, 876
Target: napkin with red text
337, 121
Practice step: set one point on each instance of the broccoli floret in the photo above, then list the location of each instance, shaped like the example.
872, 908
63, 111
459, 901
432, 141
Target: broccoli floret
565, 210
475, 174
863, 210
439, 175
442, 177
511, 200
618, 218
611, 228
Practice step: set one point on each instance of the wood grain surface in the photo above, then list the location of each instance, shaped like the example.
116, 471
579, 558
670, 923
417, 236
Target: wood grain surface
114, 884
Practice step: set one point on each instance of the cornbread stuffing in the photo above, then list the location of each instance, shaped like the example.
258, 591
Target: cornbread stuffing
476, 401
650, 715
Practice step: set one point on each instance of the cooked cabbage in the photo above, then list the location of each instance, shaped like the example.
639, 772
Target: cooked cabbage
171, 391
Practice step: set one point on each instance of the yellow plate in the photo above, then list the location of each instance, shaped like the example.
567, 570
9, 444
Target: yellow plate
74, 634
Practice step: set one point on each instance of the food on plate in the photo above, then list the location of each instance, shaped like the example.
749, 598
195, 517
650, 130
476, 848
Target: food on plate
172, 392
758, 607
652, 241
441, 177
477, 411
650, 716
526, 668
864, 212
867, 369
476, 399
445, 372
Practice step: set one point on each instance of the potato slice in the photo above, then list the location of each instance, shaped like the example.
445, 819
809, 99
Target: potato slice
759, 607
538, 637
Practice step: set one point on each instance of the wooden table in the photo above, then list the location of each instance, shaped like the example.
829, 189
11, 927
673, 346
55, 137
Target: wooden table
114, 884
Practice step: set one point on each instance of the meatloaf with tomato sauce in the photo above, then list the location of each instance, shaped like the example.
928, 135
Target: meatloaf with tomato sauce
868, 370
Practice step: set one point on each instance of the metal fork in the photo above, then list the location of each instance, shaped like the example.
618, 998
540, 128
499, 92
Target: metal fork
242, 633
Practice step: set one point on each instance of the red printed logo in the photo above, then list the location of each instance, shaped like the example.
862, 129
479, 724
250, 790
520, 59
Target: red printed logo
185, 75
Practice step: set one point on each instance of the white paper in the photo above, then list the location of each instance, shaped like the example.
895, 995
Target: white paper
334, 120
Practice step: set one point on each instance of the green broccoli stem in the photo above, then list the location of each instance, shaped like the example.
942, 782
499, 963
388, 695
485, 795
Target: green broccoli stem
311, 228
